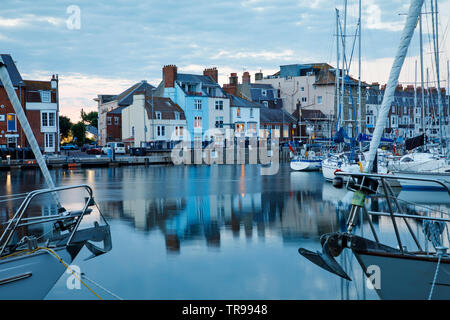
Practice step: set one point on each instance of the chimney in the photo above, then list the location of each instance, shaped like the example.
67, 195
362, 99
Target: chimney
234, 79
409, 88
170, 75
399, 88
376, 85
258, 76
246, 77
213, 73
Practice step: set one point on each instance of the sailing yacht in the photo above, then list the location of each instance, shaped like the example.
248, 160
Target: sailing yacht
37, 248
395, 272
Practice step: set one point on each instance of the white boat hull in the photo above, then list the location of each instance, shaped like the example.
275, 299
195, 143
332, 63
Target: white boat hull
329, 170
31, 277
306, 165
406, 278
423, 185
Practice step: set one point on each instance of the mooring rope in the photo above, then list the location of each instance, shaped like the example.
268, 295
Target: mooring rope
435, 276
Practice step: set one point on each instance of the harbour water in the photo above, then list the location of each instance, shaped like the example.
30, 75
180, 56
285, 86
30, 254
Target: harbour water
213, 232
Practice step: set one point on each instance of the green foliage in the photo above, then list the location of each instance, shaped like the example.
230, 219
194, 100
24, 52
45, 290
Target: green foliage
90, 118
79, 133
64, 126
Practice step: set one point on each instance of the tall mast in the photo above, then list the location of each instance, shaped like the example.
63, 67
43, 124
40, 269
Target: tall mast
408, 31
434, 12
359, 77
338, 72
422, 74
415, 87
343, 35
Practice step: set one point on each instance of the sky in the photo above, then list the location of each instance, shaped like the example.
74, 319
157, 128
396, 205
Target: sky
105, 46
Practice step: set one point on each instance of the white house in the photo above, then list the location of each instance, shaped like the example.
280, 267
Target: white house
245, 117
149, 119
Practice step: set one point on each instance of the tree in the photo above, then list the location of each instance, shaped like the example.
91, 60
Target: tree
64, 126
79, 133
90, 118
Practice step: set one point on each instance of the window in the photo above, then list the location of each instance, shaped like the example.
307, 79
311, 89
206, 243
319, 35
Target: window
304, 99
198, 104
266, 104
393, 121
44, 118
264, 92
11, 124
48, 119
252, 128
219, 104
251, 112
278, 93
319, 99
177, 116
45, 96
132, 131
197, 122
285, 131
219, 122
393, 109
303, 88
239, 127
158, 115
49, 140
277, 131
116, 121
238, 112
161, 131
405, 110
2, 117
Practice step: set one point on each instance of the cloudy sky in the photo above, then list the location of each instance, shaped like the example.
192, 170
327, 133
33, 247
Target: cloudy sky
119, 42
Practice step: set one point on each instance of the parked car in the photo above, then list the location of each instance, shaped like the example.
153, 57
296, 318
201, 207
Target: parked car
94, 150
119, 147
69, 146
86, 146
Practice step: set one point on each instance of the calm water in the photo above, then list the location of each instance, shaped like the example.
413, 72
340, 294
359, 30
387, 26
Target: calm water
219, 232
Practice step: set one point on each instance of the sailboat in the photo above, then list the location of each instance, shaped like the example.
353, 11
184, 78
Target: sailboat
394, 272
36, 249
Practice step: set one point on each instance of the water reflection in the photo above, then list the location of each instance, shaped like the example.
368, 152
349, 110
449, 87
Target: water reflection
217, 232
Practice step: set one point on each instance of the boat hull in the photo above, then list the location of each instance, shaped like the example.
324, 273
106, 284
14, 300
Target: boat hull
406, 278
306, 165
423, 185
31, 277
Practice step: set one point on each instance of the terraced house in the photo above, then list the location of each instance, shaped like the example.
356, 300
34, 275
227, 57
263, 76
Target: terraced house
39, 99
205, 104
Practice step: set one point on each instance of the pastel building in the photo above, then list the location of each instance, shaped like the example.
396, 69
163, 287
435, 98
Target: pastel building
205, 104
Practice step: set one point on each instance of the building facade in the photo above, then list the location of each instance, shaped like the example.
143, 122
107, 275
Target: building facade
39, 99
245, 117
205, 104
152, 119
108, 102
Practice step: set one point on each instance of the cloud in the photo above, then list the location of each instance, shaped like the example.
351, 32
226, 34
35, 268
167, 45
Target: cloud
265, 55
30, 20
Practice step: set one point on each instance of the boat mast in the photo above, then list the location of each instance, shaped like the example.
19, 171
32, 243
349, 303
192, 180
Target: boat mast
408, 31
12, 95
343, 35
436, 56
359, 77
338, 72
422, 74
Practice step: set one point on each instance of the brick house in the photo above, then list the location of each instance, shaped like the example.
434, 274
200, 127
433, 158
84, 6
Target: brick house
114, 125
40, 102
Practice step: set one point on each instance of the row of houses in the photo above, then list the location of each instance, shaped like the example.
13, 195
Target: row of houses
299, 102
190, 104
39, 100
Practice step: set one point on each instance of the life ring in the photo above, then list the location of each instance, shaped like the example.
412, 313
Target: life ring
337, 170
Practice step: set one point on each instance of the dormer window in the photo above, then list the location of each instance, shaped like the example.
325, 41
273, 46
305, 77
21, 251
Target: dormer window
45, 96
264, 92
158, 115
177, 116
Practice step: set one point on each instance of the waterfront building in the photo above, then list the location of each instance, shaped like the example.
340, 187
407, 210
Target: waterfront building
108, 102
313, 86
39, 99
205, 104
407, 118
245, 116
152, 119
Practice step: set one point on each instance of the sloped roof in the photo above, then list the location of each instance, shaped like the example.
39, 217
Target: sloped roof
195, 78
14, 74
164, 105
126, 97
268, 115
243, 103
310, 114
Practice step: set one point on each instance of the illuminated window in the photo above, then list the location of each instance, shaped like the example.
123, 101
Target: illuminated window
11, 124
238, 112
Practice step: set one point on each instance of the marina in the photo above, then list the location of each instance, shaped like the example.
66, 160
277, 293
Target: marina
307, 182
